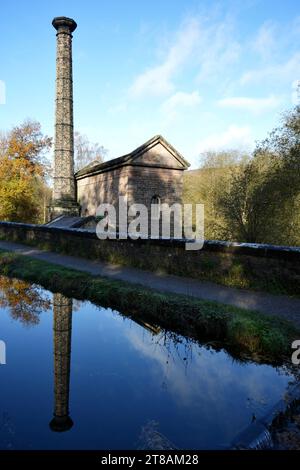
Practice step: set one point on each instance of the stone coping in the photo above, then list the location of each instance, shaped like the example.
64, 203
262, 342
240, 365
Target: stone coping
252, 249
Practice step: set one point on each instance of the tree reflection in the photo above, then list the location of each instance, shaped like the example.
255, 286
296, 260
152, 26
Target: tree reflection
24, 301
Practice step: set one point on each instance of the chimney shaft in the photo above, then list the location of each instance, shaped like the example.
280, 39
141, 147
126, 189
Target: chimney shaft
64, 192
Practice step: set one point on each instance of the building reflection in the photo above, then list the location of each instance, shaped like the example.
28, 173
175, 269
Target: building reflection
62, 336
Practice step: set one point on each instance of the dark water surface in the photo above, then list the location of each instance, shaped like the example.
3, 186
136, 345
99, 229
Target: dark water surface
126, 385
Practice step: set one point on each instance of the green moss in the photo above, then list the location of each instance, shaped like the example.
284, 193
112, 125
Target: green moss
246, 334
208, 264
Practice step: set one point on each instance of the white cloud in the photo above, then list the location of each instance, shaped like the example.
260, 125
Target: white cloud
288, 71
234, 137
296, 26
180, 100
264, 42
202, 43
255, 105
217, 50
158, 79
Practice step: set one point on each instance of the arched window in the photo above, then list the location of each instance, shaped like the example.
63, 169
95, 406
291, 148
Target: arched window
155, 207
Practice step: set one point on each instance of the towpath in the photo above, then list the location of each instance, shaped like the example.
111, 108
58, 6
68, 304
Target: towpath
278, 305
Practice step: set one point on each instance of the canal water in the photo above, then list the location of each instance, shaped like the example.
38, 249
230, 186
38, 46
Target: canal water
78, 376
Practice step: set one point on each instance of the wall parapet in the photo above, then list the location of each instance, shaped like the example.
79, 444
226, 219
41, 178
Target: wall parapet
271, 268
252, 249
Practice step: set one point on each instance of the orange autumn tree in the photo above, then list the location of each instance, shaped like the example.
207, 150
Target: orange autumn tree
23, 173
24, 301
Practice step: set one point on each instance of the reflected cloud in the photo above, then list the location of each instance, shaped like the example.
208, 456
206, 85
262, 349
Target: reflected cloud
209, 380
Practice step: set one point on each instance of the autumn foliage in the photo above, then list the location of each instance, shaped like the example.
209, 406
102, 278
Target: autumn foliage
23, 173
24, 301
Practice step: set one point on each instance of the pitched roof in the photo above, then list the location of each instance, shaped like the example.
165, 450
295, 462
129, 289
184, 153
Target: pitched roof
129, 159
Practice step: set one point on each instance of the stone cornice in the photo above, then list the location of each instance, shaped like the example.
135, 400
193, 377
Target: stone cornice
64, 23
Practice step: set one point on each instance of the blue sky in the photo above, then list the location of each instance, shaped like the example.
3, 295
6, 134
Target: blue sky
204, 74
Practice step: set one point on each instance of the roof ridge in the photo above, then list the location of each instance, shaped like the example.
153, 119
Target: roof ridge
132, 155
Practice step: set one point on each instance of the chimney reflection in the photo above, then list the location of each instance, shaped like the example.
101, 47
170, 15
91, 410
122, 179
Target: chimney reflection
62, 335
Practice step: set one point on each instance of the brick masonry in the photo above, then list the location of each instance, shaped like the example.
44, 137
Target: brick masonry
154, 169
64, 192
154, 172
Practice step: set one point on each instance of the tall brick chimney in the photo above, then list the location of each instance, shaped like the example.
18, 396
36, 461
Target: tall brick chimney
64, 199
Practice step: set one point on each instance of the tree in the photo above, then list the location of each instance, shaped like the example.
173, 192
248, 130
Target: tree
242, 204
207, 185
25, 301
263, 202
87, 152
23, 172
253, 199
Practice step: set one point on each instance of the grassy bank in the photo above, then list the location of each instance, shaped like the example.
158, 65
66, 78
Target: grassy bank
246, 334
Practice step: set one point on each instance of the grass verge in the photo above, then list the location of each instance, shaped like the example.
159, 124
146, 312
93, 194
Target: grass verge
245, 334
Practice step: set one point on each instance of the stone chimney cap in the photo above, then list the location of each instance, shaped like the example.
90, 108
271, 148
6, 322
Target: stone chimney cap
63, 21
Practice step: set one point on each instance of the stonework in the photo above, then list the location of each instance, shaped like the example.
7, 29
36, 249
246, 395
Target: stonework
153, 170
102, 187
217, 261
64, 192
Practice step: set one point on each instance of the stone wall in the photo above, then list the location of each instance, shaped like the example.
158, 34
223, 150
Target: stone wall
146, 182
265, 267
139, 184
105, 187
